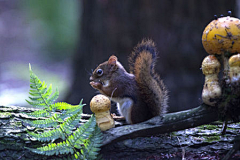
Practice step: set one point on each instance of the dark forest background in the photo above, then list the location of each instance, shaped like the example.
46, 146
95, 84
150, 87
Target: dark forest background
115, 27
85, 33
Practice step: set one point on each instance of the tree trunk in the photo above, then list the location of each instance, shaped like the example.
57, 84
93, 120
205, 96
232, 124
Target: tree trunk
115, 27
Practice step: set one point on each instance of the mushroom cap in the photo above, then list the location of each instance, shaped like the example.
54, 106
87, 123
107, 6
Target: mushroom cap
100, 103
234, 60
222, 35
210, 65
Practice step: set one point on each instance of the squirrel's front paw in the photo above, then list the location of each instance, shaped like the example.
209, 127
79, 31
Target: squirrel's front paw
96, 85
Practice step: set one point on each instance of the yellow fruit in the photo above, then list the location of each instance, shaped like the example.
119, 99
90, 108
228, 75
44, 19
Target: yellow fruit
222, 35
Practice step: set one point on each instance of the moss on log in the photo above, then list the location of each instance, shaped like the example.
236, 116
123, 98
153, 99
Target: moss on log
155, 137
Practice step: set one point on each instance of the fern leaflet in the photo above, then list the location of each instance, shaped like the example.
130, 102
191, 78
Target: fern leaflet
39, 113
49, 122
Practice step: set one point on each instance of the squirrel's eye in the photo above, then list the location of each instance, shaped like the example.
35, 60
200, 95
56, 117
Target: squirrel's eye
99, 72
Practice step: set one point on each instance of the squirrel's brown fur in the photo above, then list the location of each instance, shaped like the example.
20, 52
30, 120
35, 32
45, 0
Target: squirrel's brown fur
140, 94
152, 89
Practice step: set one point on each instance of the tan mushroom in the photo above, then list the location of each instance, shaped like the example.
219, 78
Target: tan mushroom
100, 105
234, 70
211, 90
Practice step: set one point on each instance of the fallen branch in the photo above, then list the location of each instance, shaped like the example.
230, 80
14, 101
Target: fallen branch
158, 125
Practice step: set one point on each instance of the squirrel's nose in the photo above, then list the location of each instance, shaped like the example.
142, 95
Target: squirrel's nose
91, 78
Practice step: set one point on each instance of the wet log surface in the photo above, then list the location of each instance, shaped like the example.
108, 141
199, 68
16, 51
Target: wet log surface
158, 138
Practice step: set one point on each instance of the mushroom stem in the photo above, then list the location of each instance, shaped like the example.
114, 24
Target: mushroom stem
211, 89
104, 120
225, 66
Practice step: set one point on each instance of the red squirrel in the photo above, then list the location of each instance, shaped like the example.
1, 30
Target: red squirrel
140, 94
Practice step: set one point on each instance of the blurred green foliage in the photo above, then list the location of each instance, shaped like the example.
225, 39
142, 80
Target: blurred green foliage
54, 25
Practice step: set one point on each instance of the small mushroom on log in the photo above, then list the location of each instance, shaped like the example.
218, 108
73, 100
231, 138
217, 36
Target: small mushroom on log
100, 105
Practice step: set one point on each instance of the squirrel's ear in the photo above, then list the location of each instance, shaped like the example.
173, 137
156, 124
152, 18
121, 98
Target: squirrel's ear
112, 61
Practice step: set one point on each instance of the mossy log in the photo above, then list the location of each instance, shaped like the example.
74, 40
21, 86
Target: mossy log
196, 141
153, 138
168, 123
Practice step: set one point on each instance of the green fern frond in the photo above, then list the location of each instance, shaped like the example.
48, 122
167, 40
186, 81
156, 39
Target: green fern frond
45, 123
83, 142
54, 149
82, 133
39, 113
71, 111
37, 103
48, 135
64, 106
76, 140
72, 121
93, 144
68, 110
53, 97
87, 138
62, 131
40, 93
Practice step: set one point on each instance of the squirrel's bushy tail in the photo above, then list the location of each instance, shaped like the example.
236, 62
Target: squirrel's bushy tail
142, 61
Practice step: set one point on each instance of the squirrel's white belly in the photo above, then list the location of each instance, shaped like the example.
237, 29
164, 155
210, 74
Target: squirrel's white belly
124, 107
